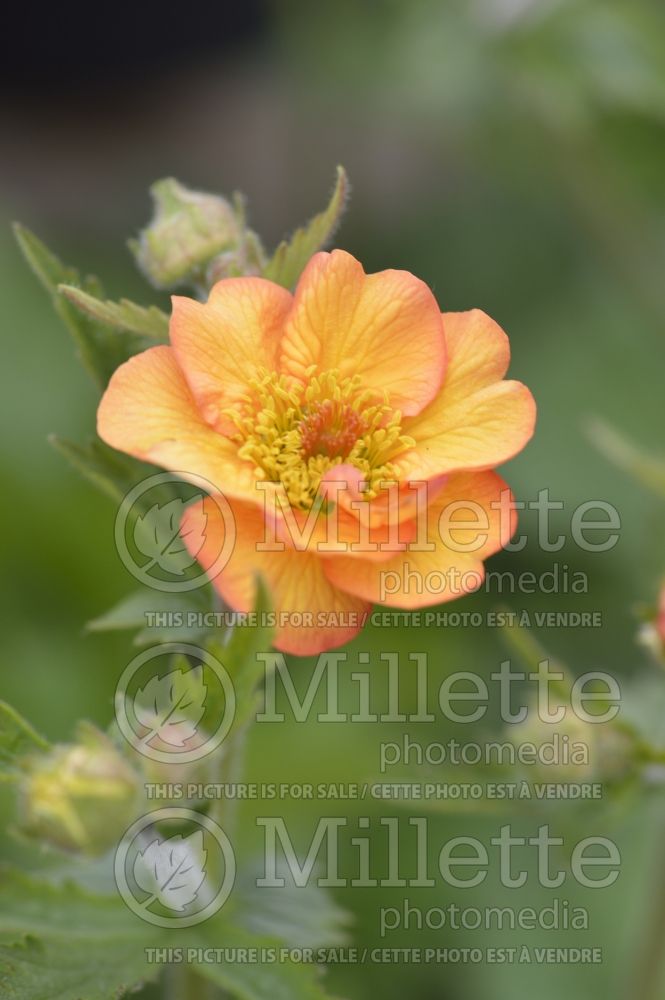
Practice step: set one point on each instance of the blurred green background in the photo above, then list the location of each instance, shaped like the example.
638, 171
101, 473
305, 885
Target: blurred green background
512, 154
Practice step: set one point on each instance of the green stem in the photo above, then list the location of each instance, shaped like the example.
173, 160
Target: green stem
182, 983
233, 769
647, 984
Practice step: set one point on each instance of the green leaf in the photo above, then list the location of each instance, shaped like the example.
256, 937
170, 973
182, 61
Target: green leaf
60, 941
131, 612
157, 534
31, 969
49, 269
106, 469
239, 656
302, 916
125, 315
110, 471
100, 347
17, 739
291, 256
279, 980
196, 634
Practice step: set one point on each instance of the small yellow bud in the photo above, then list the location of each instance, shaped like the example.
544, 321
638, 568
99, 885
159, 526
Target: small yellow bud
80, 797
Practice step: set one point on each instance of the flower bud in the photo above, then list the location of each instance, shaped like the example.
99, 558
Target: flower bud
189, 228
651, 634
573, 749
246, 259
660, 616
80, 797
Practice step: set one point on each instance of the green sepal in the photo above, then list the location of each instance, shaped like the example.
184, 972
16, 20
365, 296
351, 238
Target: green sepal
110, 471
291, 256
18, 739
100, 347
148, 321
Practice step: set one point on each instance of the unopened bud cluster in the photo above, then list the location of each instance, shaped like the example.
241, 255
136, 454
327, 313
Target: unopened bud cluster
194, 239
81, 796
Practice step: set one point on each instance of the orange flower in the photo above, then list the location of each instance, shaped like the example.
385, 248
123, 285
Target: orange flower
350, 426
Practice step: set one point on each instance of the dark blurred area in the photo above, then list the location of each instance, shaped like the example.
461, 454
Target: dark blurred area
69, 53
509, 152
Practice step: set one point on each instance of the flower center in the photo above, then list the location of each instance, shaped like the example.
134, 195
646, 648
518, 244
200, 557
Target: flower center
329, 427
294, 435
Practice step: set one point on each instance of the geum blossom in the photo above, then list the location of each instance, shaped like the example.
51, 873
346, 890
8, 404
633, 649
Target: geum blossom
333, 413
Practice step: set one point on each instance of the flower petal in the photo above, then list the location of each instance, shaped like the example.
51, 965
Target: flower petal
454, 566
480, 348
385, 327
396, 503
340, 533
476, 421
221, 344
148, 411
312, 614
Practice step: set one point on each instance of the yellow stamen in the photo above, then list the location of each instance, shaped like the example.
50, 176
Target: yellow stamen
294, 435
